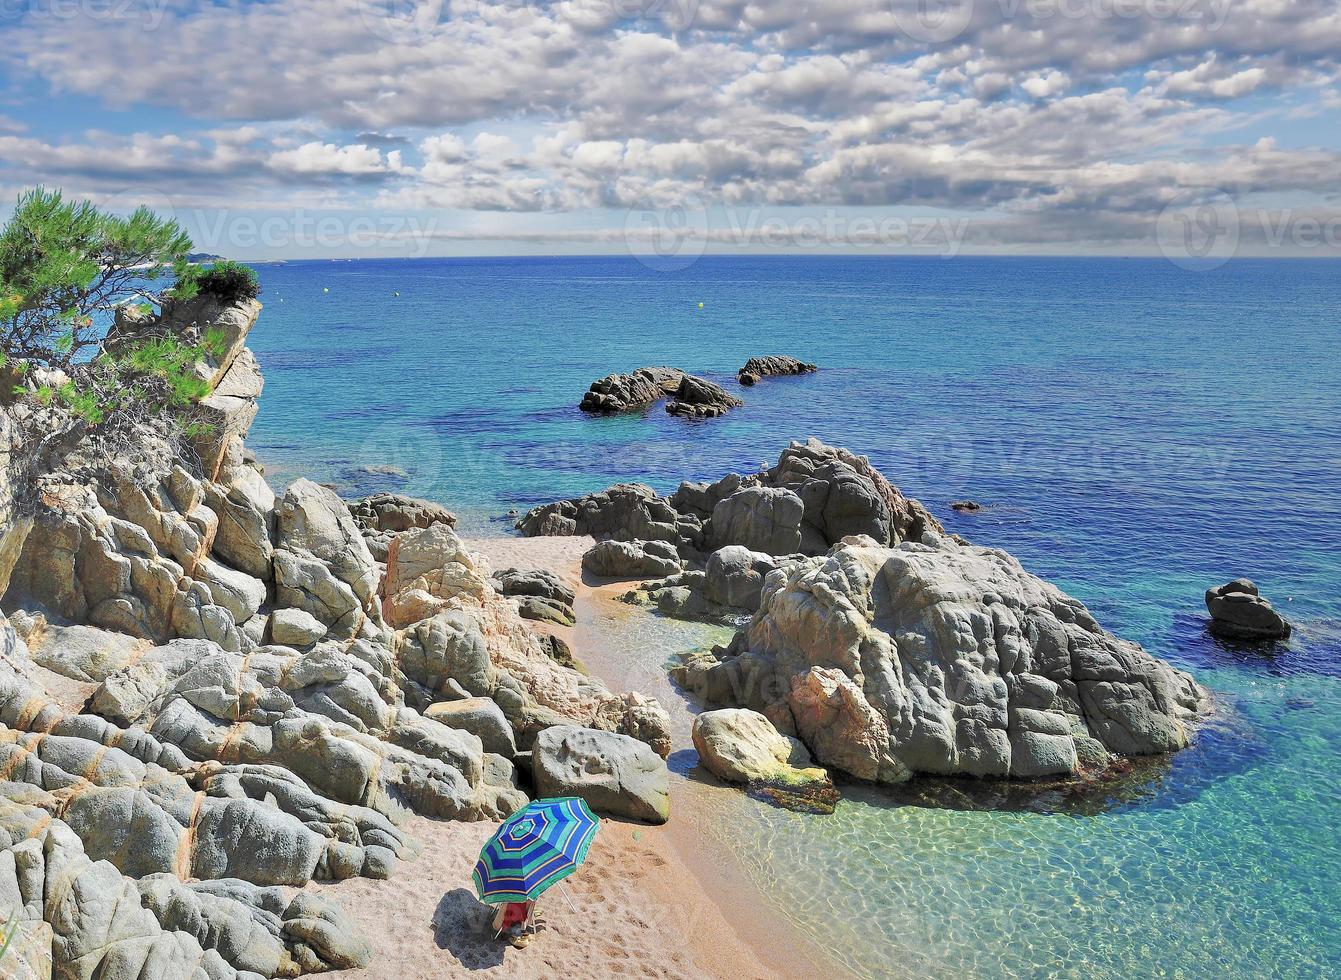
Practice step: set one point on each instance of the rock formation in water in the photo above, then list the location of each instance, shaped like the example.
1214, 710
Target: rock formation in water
697, 398
772, 366
1239, 612
813, 497
937, 657
209, 691
689, 396
887, 647
631, 392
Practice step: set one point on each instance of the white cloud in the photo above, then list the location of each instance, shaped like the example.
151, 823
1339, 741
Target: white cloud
1026, 116
327, 158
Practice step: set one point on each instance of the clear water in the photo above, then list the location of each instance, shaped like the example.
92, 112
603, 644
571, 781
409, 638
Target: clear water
1138, 432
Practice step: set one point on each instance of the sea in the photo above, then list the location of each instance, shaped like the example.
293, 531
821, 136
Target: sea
1136, 432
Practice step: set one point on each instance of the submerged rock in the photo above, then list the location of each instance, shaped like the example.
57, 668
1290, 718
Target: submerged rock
631, 392
1239, 612
968, 506
772, 366
940, 658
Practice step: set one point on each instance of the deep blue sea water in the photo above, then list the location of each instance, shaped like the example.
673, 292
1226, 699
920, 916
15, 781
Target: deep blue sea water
1137, 432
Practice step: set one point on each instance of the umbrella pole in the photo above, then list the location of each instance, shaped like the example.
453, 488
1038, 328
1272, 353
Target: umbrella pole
564, 888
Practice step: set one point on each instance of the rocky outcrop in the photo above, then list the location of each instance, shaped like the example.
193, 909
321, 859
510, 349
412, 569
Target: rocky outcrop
209, 694
625, 512
697, 398
815, 496
935, 657
614, 774
631, 392
631, 559
383, 515
1239, 612
757, 368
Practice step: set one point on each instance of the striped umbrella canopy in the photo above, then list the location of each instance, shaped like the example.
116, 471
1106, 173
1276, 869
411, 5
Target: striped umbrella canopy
538, 846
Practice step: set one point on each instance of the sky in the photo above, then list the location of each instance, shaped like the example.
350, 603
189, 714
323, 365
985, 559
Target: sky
1200, 130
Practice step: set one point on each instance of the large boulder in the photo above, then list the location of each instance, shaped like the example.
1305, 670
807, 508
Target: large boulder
943, 658
245, 506
533, 582
741, 746
613, 773
1239, 612
427, 570
482, 718
322, 565
843, 495
630, 392
631, 559
625, 512
699, 398
540, 595
764, 519
734, 576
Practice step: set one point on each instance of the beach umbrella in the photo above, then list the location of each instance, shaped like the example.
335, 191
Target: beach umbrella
536, 847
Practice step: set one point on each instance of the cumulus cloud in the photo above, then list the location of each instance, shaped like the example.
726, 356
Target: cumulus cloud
1067, 117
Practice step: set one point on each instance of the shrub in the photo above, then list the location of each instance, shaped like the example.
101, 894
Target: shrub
230, 282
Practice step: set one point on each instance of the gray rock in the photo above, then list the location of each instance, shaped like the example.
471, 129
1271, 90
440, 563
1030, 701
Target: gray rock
843, 495
481, 717
762, 519
701, 399
630, 392
631, 559
625, 512
383, 515
942, 658
1239, 612
771, 366
734, 576
546, 611
613, 773
295, 628
533, 582
541, 595
245, 505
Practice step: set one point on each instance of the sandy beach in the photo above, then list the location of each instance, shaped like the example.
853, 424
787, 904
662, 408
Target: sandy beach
648, 902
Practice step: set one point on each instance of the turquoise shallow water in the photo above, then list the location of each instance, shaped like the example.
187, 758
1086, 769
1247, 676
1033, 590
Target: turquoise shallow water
1137, 431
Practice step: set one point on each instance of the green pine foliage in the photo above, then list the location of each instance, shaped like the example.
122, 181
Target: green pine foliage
66, 265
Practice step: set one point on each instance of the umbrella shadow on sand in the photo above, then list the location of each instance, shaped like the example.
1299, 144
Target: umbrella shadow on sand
461, 926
